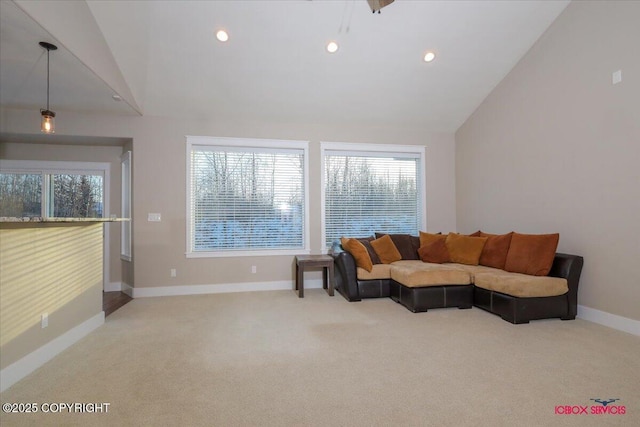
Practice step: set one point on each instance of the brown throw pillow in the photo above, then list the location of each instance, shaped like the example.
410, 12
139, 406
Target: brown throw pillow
386, 250
426, 238
372, 254
465, 249
532, 253
358, 251
435, 252
405, 244
494, 253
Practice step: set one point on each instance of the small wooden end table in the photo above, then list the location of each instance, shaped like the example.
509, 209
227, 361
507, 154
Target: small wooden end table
314, 261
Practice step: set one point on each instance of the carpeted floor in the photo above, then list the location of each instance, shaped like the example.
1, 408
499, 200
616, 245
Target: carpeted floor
272, 359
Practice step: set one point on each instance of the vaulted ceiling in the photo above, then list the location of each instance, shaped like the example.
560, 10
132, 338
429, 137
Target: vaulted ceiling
163, 59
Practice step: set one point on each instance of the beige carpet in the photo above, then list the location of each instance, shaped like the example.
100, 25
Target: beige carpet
270, 358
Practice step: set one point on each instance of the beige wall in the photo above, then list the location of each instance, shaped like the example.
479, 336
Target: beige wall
159, 176
81, 153
556, 148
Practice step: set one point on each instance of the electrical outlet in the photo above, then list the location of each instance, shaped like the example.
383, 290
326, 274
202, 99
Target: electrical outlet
254, 269
154, 217
173, 272
44, 320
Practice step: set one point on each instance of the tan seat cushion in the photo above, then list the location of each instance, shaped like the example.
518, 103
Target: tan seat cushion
475, 269
378, 271
521, 285
416, 275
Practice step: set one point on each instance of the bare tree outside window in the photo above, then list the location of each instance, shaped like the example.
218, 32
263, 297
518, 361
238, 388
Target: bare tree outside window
77, 196
20, 194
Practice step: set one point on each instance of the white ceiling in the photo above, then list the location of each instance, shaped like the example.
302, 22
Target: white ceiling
275, 67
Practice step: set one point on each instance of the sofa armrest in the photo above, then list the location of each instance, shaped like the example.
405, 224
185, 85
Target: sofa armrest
346, 278
569, 267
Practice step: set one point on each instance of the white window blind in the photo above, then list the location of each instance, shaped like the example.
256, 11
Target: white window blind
246, 198
125, 230
368, 192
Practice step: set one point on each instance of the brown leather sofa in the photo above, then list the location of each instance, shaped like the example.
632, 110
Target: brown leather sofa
511, 308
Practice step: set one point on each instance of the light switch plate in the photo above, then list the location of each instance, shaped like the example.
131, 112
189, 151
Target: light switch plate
154, 217
616, 77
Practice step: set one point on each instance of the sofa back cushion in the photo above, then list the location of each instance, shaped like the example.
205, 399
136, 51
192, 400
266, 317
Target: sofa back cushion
358, 251
465, 249
386, 249
494, 253
435, 252
532, 253
406, 244
426, 238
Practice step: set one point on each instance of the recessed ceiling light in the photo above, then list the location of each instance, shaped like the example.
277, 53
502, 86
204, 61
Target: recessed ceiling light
117, 98
429, 56
332, 47
222, 35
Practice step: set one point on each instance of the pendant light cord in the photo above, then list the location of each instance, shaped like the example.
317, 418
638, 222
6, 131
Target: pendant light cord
47, 79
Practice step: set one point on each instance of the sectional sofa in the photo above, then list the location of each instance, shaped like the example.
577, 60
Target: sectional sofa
430, 271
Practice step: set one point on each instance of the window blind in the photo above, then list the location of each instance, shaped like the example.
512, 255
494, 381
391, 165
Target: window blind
246, 198
371, 192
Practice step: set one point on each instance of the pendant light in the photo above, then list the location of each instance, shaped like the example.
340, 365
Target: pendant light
47, 124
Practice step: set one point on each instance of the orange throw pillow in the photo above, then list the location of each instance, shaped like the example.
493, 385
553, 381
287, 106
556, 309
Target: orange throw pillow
532, 253
359, 253
465, 249
426, 238
386, 250
494, 253
435, 252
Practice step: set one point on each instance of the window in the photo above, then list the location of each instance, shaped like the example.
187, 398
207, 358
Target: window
246, 197
125, 230
20, 194
372, 188
52, 189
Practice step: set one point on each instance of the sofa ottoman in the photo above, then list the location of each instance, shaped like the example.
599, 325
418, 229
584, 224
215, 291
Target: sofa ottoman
421, 287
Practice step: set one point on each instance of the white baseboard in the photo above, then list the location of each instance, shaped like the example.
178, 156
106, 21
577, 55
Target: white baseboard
32, 361
162, 291
127, 289
611, 320
113, 287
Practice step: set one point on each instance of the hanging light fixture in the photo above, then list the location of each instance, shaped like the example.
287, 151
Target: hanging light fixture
47, 124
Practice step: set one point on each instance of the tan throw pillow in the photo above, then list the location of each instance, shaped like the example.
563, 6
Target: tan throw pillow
426, 238
532, 253
465, 249
386, 250
435, 252
358, 251
494, 253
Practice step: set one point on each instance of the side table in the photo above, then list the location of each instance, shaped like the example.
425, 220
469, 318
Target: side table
314, 261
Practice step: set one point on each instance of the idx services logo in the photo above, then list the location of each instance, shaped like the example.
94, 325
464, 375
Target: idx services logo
604, 407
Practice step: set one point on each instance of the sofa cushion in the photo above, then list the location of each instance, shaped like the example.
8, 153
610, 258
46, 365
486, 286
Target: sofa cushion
406, 244
494, 253
379, 271
358, 251
465, 249
366, 242
426, 238
435, 252
386, 250
475, 269
521, 285
532, 253
419, 275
